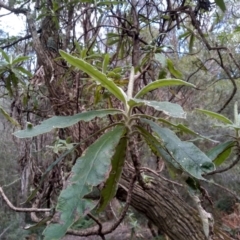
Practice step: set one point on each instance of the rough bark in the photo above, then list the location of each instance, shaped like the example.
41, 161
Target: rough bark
167, 211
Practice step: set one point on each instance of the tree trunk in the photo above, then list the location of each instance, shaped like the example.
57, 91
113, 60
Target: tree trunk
164, 208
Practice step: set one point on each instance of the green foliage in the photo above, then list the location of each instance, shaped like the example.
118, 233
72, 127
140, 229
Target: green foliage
111, 184
96, 75
103, 160
63, 122
90, 170
161, 83
182, 155
221, 5
221, 152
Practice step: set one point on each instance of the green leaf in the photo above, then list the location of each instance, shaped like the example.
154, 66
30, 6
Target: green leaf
7, 116
105, 63
173, 70
111, 184
155, 146
170, 109
221, 152
191, 42
161, 83
162, 74
24, 71
185, 35
96, 75
180, 153
19, 59
63, 122
5, 56
217, 116
184, 129
221, 4
90, 170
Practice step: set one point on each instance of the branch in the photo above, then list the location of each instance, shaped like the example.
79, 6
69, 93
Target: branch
19, 40
13, 10
16, 209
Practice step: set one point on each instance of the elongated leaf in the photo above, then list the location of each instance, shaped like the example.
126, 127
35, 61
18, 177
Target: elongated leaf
221, 152
184, 129
173, 70
191, 42
90, 170
19, 59
5, 56
96, 75
221, 4
217, 116
155, 146
24, 71
162, 83
63, 122
111, 184
105, 63
7, 116
170, 109
180, 153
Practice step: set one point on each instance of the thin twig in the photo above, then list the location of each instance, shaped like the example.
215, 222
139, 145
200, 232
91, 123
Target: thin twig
16, 209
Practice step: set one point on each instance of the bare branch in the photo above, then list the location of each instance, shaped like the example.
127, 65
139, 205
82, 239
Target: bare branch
16, 209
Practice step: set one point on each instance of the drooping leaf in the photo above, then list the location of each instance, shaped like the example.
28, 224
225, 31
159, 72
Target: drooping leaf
170, 109
161, 83
63, 122
90, 170
5, 56
221, 4
8, 117
217, 116
221, 152
173, 70
111, 184
180, 153
154, 144
96, 75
